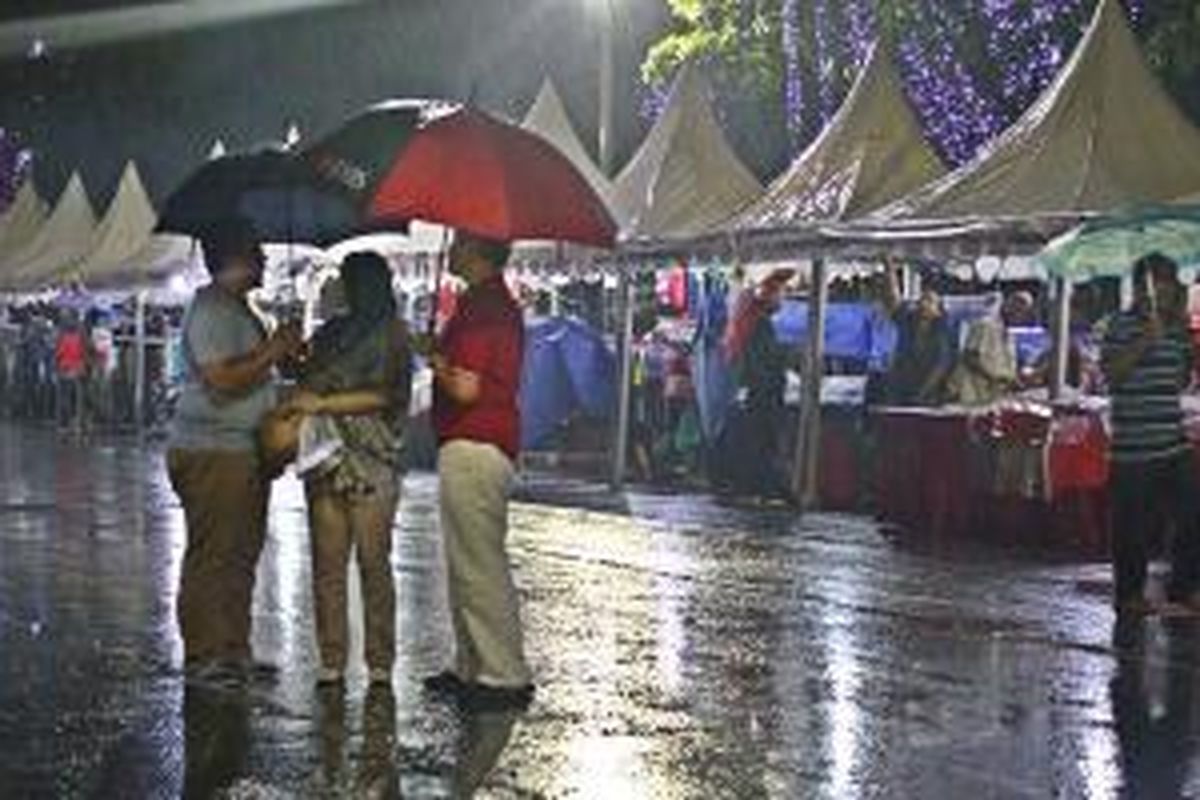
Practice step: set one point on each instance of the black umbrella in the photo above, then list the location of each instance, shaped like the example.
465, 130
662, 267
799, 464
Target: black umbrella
284, 198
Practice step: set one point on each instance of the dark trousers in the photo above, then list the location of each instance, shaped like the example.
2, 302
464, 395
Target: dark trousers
758, 466
1143, 494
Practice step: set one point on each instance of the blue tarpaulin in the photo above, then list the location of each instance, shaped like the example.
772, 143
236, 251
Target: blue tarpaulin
711, 375
1032, 344
852, 330
863, 331
568, 369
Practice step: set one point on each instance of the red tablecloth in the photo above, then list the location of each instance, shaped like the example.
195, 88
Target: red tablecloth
930, 481
840, 474
1078, 453
924, 468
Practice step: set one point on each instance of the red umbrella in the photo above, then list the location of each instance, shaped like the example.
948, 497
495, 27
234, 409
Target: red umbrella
462, 168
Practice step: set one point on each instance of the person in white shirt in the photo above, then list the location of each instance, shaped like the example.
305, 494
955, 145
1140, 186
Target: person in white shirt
987, 366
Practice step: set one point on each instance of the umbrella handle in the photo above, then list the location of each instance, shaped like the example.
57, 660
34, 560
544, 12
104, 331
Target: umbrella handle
1151, 293
437, 283
436, 298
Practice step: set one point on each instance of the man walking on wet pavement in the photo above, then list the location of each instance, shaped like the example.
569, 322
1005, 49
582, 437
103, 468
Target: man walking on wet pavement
212, 461
1148, 363
477, 374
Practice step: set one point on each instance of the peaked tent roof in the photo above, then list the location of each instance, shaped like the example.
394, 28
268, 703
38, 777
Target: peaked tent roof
122, 234
62, 240
161, 257
217, 150
685, 179
1105, 134
871, 153
21, 220
548, 118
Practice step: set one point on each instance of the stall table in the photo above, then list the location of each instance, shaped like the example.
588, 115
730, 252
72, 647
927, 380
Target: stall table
1017, 476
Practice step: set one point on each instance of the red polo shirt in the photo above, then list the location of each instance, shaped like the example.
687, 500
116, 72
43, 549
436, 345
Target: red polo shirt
485, 336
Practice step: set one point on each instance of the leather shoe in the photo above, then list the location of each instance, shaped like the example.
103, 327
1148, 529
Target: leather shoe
481, 697
445, 682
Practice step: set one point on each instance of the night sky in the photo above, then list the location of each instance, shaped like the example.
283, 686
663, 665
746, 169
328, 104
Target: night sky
164, 99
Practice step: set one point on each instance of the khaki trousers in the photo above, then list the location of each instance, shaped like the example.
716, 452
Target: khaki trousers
337, 523
224, 498
474, 484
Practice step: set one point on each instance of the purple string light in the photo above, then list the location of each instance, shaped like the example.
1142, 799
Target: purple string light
825, 63
14, 167
860, 19
793, 88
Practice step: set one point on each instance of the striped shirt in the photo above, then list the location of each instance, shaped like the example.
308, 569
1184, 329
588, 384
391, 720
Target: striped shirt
1147, 419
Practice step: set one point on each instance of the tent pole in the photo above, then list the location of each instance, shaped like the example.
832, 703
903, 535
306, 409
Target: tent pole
625, 343
559, 268
139, 360
911, 288
1062, 337
604, 131
806, 466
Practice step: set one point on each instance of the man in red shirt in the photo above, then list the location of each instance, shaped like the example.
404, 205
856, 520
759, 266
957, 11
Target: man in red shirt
70, 356
477, 375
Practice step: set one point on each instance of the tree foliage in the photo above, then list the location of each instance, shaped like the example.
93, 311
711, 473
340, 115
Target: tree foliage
970, 66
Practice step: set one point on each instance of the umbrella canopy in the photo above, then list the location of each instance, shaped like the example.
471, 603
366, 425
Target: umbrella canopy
284, 199
451, 165
1110, 246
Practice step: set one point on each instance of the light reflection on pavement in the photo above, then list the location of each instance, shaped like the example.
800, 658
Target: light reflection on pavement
684, 650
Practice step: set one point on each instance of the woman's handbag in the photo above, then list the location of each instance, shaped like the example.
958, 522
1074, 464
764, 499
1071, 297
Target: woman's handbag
278, 440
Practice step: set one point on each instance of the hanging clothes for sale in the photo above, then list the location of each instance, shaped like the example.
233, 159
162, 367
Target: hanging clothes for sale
714, 380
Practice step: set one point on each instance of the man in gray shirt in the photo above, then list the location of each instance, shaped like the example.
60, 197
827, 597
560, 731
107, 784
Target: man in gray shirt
213, 461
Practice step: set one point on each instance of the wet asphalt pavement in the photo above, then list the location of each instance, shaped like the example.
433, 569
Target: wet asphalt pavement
682, 650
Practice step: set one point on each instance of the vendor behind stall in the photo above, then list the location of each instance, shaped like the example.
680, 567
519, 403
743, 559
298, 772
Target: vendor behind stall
987, 366
924, 348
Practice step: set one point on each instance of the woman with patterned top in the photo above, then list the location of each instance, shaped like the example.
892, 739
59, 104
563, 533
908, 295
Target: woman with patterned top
358, 379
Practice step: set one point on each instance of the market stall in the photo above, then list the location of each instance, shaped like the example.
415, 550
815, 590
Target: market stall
1021, 473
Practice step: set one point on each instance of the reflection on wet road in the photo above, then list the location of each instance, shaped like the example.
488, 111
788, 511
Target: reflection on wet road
683, 650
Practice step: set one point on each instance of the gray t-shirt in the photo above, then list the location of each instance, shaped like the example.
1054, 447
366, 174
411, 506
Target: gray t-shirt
218, 326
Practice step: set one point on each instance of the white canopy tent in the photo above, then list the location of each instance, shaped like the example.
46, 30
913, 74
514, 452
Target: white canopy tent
62, 240
21, 220
122, 234
1104, 135
168, 265
685, 179
871, 153
423, 238
548, 118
